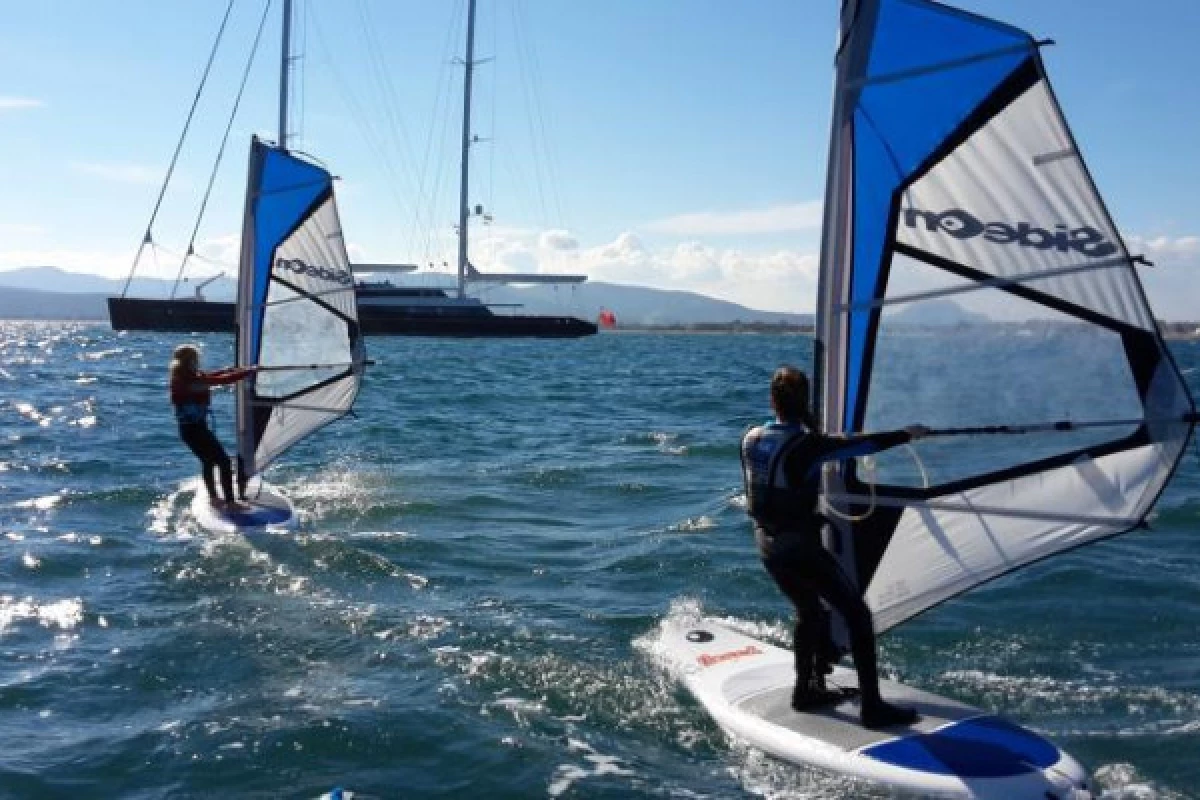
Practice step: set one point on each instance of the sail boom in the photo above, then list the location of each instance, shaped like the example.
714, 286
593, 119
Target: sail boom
301, 407
985, 511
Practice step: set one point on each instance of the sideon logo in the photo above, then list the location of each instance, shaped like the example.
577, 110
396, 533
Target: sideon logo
321, 273
963, 225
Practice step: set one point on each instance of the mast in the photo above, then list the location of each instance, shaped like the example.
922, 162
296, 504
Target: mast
463, 210
285, 60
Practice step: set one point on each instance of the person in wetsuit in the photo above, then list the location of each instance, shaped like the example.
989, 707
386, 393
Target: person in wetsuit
191, 396
781, 466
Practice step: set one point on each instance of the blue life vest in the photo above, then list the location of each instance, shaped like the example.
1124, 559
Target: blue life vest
770, 499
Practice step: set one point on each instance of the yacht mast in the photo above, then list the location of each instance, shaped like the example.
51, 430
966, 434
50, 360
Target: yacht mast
285, 63
463, 210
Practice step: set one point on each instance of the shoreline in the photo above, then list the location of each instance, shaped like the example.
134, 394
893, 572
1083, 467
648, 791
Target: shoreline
1171, 334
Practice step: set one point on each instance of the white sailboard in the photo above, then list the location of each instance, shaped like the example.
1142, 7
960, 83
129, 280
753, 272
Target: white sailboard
265, 508
953, 175
953, 751
297, 320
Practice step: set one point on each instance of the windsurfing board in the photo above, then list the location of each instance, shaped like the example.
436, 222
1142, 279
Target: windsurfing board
265, 509
952, 751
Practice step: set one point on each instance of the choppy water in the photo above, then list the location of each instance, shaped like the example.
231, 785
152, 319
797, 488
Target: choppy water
486, 551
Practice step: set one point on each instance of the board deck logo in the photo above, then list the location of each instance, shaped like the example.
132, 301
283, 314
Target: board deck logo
964, 225
707, 660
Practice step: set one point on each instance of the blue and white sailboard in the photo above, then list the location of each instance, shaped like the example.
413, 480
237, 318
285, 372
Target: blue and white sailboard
954, 182
297, 320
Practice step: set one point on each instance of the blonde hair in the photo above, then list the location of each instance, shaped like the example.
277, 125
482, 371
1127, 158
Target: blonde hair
185, 358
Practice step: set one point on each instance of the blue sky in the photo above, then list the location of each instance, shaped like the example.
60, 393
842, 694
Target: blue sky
667, 143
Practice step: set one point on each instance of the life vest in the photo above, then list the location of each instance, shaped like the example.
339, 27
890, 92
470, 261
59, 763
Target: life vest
773, 503
191, 399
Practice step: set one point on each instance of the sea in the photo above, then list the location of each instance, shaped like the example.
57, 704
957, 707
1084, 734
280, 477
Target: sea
489, 549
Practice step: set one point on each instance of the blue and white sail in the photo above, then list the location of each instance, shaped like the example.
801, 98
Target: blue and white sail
955, 183
297, 315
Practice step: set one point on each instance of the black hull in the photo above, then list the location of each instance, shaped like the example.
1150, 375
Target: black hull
190, 316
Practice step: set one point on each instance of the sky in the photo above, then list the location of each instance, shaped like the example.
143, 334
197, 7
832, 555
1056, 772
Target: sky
661, 143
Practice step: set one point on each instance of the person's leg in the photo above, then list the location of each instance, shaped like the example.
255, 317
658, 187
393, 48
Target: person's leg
221, 458
196, 440
834, 586
215, 457
786, 568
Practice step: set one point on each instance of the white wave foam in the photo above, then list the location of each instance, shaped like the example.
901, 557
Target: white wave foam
169, 515
695, 524
62, 614
598, 764
1122, 782
102, 354
43, 503
667, 443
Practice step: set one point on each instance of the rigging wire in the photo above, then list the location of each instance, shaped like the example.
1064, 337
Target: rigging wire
447, 114
147, 239
355, 109
526, 79
536, 109
221, 152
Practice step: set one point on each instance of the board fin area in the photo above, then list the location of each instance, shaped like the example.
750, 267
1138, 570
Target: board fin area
953, 750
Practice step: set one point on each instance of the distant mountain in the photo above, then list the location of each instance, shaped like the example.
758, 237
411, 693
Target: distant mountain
53, 279
636, 305
53, 293
938, 313
34, 304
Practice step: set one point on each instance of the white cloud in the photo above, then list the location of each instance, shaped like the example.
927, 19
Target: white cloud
557, 240
11, 230
1173, 283
10, 103
1170, 248
224, 250
779, 219
120, 173
779, 280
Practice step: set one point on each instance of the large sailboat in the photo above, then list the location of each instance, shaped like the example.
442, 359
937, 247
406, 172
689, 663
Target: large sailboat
952, 173
386, 307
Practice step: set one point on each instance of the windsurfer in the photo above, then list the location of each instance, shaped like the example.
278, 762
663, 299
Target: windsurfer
781, 465
191, 396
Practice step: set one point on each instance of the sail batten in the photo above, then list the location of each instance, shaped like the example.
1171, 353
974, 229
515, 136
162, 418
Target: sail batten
297, 311
953, 174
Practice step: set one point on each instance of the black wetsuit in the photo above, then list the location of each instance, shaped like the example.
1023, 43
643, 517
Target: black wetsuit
191, 398
781, 465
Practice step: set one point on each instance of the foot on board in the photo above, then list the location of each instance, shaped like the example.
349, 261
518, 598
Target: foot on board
885, 715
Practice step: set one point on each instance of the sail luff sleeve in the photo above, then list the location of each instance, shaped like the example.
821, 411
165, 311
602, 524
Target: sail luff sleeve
246, 347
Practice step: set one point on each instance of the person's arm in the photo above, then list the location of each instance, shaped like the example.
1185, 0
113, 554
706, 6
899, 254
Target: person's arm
222, 377
833, 448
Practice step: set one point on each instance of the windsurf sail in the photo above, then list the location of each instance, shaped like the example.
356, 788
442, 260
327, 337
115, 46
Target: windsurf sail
971, 277
297, 315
